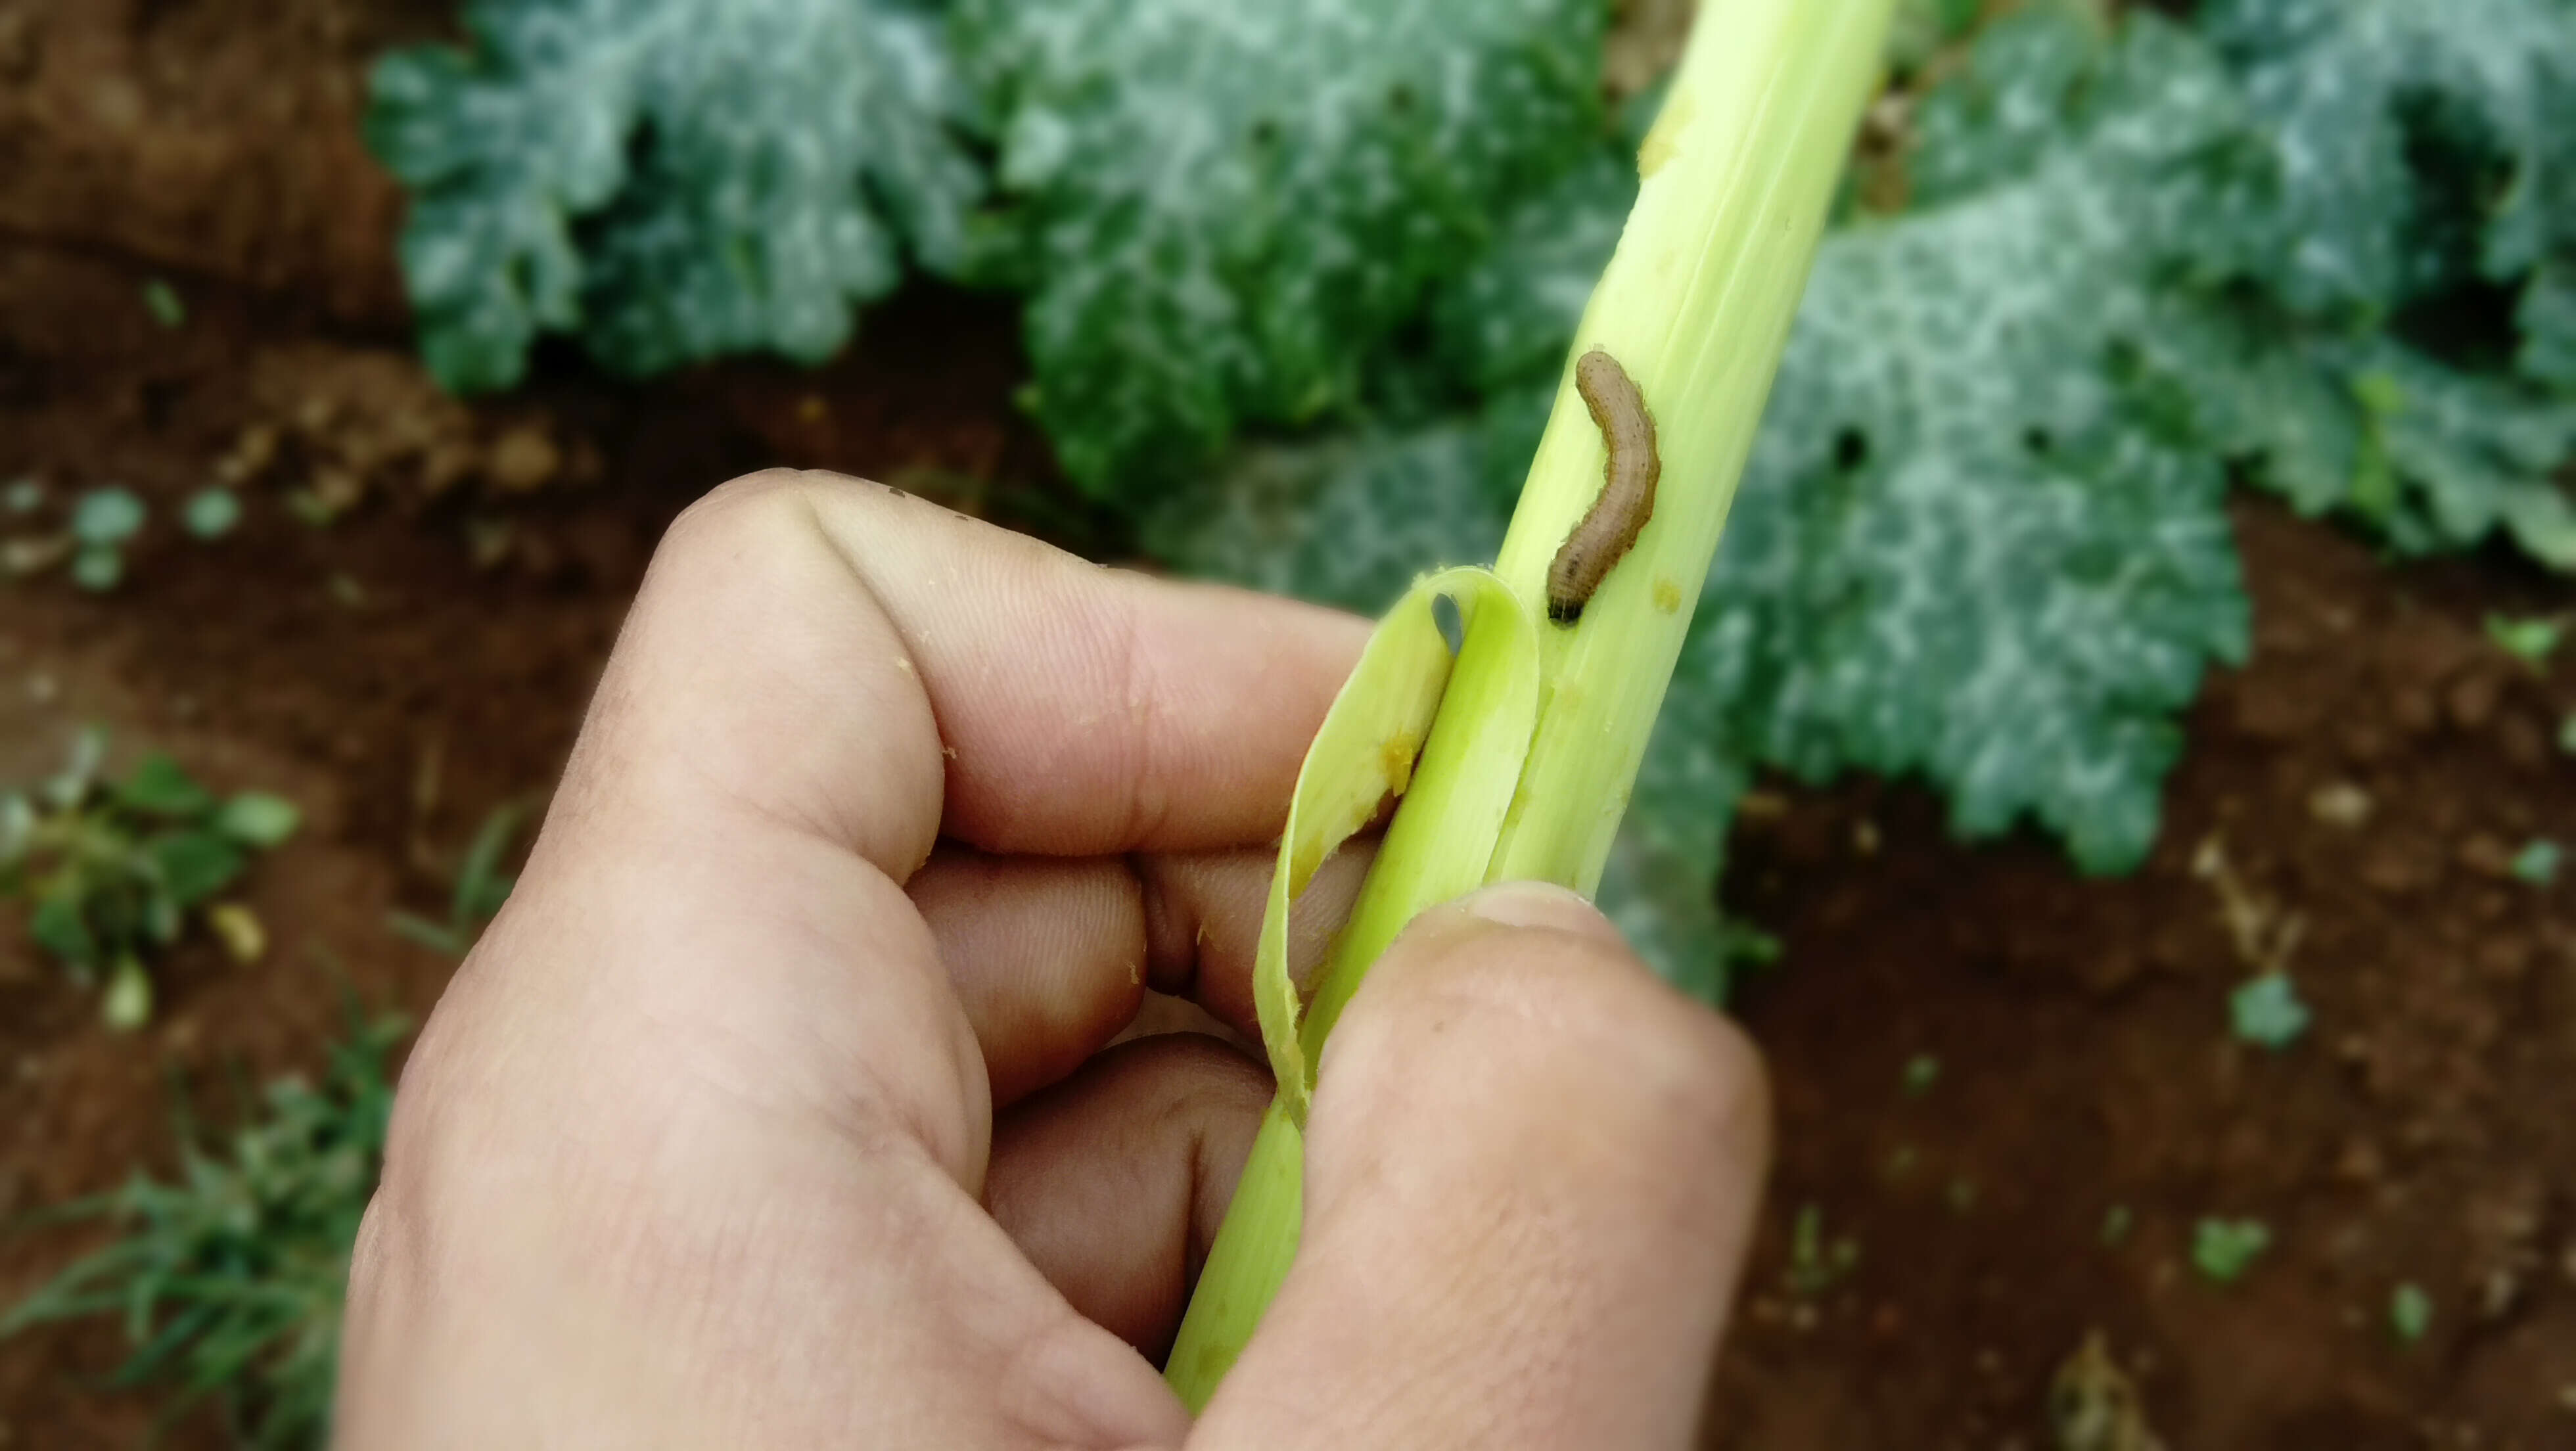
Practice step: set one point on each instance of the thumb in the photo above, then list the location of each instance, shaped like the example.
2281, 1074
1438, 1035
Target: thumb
1531, 1171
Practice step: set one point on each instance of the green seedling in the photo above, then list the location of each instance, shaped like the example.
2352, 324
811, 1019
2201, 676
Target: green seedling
1815, 1263
2266, 1010
212, 513
228, 1278
2410, 1313
2224, 1249
2116, 1224
162, 301
2537, 862
481, 887
1921, 1072
22, 496
102, 523
2531, 641
112, 870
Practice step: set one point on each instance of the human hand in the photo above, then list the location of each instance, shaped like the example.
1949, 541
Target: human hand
881, 821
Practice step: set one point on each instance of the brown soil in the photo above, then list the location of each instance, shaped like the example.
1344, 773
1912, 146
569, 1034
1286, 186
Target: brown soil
425, 657
2415, 1134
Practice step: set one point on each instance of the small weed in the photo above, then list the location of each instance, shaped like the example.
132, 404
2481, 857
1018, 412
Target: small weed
162, 301
213, 513
102, 523
2531, 641
1921, 1072
2537, 862
1816, 1265
2410, 1313
113, 868
2116, 1224
2224, 1249
481, 888
229, 1278
2266, 1010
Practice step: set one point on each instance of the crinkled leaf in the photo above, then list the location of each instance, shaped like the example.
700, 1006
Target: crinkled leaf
669, 179
2474, 454
1969, 545
2422, 141
1351, 519
1225, 207
1965, 546
2547, 320
2004, 112
1504, 321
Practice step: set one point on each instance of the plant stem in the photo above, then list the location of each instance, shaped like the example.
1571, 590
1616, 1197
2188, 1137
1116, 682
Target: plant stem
1736, 178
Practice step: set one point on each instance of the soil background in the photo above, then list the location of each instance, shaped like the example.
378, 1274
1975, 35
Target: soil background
2346, 806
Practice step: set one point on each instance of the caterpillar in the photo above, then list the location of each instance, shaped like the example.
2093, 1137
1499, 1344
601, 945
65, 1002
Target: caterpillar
1627, 499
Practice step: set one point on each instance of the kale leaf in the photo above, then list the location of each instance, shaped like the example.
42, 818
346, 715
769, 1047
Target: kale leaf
1222, 210
670, 179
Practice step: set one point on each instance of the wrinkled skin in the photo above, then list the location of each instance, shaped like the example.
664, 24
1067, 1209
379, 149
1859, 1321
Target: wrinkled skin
773, 1111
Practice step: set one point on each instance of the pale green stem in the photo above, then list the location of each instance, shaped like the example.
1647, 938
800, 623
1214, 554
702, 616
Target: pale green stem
1736, 179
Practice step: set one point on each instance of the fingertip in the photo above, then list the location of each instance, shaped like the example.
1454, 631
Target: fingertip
1539, 904
1531, 1174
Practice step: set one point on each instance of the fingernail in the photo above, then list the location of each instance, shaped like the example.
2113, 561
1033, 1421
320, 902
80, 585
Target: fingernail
1539, 904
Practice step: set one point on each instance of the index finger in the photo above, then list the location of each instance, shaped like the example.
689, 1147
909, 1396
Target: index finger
833, 654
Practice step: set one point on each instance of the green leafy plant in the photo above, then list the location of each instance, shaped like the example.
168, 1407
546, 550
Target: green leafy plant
669, 179
162, 301
1961, 547
2531, 641
2410, 1313
1817, 1264
2224, 1249
1220, 210
2324, 246
103, 522
213, 513
112, 869
2537, 863
229, 1276
1981, 536
480, 890
2266, 1010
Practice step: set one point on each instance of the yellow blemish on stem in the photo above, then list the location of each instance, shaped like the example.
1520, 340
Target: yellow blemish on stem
1663, 140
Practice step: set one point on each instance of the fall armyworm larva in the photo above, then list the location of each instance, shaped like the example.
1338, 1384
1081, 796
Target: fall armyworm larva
1627, 489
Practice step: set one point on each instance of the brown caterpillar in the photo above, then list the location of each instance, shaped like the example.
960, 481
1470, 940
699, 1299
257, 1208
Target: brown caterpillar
1627, 499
